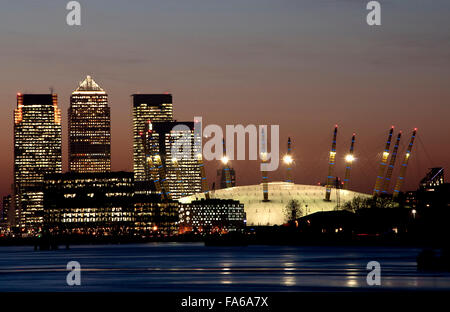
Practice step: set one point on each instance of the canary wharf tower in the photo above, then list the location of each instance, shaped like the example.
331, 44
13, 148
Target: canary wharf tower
89, 129
152, 108
37, 151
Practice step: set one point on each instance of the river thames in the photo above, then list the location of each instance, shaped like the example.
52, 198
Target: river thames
194, 267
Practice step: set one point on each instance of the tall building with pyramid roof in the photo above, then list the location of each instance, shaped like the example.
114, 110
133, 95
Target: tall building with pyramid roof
89, 128
89, 85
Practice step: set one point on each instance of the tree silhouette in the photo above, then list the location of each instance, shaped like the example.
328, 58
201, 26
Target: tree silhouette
293, 210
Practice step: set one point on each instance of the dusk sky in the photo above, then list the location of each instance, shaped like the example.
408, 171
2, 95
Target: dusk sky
304, 65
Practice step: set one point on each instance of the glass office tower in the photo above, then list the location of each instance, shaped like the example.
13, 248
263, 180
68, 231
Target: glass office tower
37, 151
89, 129
147, 108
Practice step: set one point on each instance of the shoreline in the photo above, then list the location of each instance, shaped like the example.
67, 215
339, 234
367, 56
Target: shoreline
318, 241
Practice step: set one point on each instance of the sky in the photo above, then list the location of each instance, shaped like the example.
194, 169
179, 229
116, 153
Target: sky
304, 65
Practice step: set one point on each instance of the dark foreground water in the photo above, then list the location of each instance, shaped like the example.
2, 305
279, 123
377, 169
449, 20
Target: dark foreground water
193, 267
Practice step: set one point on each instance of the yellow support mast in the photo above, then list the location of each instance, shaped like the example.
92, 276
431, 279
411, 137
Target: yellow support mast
349, 160
331, 161
401, 177
288, 160
383, 163
225, 162
265, 178
388, 176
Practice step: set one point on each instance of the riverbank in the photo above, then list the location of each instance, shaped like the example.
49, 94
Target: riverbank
279, 236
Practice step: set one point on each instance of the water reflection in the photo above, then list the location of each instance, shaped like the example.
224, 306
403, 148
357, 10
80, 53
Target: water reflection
193, 267
352, 281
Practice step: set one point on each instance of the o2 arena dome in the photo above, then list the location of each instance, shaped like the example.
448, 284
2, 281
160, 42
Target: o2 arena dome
311, 198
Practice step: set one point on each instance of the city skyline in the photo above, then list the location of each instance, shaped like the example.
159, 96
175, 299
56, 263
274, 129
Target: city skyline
363, 79
237, 154
213, 165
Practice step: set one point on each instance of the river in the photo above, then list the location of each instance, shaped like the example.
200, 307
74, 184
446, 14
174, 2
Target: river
194, 267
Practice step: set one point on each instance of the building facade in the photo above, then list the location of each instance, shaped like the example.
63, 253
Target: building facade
99, 204
37, 151
433, 179
175, 143
147, 108
89, 203
212, 216
89, 129
6, 209
433, 192
154, 216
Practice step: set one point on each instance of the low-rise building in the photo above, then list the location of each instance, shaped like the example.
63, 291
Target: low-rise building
212, 216
433, 192
89, 203
154, 217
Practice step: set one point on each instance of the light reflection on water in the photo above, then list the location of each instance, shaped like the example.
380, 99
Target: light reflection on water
193, 267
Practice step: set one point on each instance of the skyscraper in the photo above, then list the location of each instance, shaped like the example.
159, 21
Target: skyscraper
175, 143
89, 129
37, 151
152, 108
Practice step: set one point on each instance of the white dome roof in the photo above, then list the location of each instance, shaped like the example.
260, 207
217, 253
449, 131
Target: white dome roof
272, 212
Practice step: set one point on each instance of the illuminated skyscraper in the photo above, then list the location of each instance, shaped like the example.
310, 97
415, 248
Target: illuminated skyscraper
89, 129
175, 143
37, 151
152, 108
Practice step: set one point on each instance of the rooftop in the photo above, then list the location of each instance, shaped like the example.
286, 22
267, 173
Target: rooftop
152, 99
88, 85
311, 198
